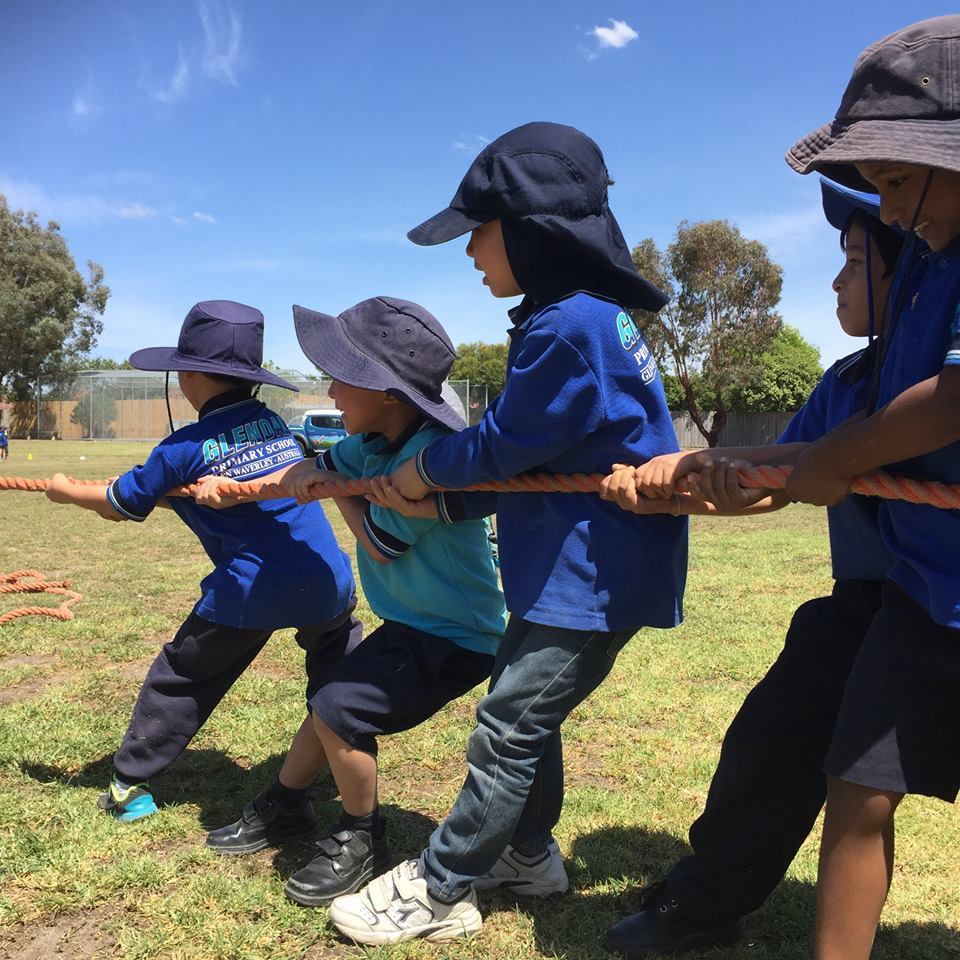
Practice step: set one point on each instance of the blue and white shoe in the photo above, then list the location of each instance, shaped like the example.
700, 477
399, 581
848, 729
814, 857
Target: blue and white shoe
127, 804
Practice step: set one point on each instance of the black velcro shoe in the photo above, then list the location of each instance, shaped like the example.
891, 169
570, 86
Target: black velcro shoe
345, 861
264, 824
663, 928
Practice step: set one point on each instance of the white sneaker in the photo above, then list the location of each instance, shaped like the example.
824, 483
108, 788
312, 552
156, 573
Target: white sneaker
539, 876
397, 906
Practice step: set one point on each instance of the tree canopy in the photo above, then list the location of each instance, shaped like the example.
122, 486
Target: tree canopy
483, 364
788, 371
721, 316
49, 315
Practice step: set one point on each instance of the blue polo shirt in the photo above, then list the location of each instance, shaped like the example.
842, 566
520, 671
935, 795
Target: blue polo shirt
441, 578
582, 392
276, 563
926, 338
857, 550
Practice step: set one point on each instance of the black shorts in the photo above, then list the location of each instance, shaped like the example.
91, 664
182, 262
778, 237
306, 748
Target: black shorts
396, 678
899, 723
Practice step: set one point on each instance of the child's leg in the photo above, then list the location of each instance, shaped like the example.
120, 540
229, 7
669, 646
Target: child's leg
305, 758
856, 866
542, 674
394, 680
191, 675
355, 771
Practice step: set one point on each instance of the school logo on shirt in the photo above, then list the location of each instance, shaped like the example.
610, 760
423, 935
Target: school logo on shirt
627, 329
630, 338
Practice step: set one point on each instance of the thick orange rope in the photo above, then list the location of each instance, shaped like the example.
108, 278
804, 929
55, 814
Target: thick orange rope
946, 496
14, 583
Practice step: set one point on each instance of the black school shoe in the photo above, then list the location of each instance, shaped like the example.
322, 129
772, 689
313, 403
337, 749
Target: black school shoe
663, 928
345, 861
263, 824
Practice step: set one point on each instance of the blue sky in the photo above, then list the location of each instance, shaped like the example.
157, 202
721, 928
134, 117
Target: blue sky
278, 153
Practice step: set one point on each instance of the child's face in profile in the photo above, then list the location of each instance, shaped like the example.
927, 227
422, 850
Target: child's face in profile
901, 186
490, 255
850, 284
363, 410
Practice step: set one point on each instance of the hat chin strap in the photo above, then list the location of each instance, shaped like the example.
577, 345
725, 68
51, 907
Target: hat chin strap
166, 396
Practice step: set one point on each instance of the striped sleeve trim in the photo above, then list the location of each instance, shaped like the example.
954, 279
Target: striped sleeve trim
114, 500
325, 461
421, 464
952, 357
389, 545
450, 507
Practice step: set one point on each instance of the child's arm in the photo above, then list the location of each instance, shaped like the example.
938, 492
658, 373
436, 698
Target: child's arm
716, 492
920, 420
658, 477
209, 494
385, 494
61, 489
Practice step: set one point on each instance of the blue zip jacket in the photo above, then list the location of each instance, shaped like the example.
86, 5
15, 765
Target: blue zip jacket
857, 551
582, 393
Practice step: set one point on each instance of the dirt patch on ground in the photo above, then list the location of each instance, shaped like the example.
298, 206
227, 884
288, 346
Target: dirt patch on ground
33, 687
69, 937
135, 670
27, 660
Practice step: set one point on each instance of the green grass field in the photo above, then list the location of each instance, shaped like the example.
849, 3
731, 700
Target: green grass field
639, 755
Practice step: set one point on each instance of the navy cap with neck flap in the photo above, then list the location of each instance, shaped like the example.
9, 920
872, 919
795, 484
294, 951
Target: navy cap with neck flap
547, 184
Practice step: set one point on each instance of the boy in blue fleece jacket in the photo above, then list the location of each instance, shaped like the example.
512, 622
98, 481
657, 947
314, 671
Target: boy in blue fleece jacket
582, 392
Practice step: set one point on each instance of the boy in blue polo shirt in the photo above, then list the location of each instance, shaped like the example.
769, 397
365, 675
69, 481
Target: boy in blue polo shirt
769, 784
582, 392
276, 562
896, 129
434, 585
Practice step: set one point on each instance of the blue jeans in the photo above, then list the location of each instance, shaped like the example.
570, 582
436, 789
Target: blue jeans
514, 786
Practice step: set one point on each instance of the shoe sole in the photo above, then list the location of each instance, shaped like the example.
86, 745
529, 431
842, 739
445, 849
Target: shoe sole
256, 846
305, 899
527, 891
465, 925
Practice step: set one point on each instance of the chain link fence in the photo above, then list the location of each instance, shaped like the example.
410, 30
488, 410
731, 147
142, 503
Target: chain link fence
131, 405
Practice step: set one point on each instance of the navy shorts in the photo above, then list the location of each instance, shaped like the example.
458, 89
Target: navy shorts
899, 722
393, 680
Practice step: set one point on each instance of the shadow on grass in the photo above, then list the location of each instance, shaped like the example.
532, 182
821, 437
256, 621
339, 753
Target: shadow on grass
574, 925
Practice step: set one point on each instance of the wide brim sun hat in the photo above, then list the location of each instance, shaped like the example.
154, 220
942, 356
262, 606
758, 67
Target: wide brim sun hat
386, 344
219, 337
902, 105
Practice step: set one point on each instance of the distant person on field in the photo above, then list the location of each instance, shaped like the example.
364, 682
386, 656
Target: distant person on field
276, 562
4, 443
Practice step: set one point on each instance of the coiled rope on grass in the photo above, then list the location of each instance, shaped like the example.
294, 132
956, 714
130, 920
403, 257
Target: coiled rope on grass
31, 581
931, 492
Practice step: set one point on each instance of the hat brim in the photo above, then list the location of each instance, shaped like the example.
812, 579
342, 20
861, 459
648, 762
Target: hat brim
170, 358
840, 202
447, 225
834, 148
329, 348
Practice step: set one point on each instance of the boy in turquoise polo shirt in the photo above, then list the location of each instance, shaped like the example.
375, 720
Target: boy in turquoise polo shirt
435, 586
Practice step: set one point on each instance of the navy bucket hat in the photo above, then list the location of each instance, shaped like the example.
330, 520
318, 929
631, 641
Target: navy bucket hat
386, 344
902, 105
547, 184
221, 337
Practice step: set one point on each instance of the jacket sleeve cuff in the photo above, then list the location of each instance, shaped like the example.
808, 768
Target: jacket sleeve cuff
113, 497
421, 464
325, 461
386, 543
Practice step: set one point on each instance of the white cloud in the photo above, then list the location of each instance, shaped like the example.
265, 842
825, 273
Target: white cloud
222, 31
470, 142
81, 106
785, 231
204, 217
136, 211
179, 83
179, 221
617, 36
91, 209
85, 103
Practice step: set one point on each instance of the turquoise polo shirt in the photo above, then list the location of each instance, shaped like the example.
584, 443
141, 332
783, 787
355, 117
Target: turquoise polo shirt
441, 578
